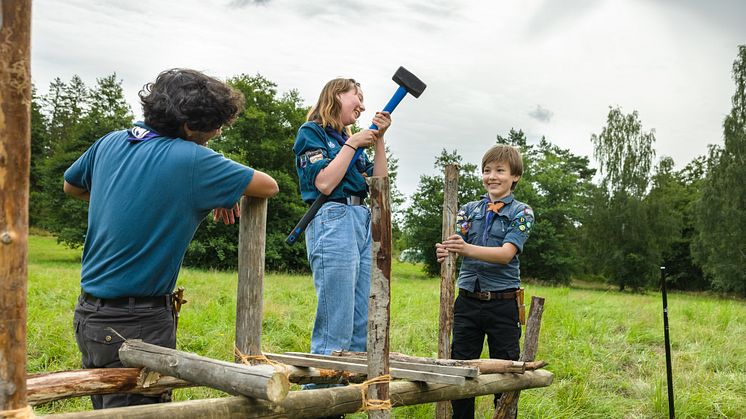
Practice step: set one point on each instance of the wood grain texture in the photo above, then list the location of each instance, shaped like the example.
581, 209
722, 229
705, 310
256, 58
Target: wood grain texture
15, 134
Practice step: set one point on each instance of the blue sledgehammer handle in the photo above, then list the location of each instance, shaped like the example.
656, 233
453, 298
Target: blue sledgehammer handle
308, 216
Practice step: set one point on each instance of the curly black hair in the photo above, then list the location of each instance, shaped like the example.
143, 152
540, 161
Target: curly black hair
181, 96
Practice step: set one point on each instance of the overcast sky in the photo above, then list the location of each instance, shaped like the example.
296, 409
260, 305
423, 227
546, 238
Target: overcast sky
550, 68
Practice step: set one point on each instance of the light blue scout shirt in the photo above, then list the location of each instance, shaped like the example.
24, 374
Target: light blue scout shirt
512, 224
147, 200
314, 149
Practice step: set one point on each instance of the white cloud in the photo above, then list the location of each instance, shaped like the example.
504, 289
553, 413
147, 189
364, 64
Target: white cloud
487, 64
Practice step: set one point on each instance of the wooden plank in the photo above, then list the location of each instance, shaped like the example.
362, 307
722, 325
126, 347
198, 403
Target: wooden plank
260, 381
48, 387
362, 368
251, 248
380, 297
447, 276
324, 402
463, 371
507, 407
15, 135
44, 388
485, 366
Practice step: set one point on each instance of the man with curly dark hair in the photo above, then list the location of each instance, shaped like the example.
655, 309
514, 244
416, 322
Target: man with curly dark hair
149, 188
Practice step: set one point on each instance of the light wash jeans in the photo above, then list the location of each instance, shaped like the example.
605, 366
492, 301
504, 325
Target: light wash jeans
338, 243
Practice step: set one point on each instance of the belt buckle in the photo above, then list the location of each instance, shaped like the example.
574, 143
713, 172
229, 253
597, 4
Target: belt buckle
353, 200
484, 295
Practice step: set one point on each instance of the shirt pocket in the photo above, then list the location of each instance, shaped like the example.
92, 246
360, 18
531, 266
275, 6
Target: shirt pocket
110, 333
497, 232
476, 229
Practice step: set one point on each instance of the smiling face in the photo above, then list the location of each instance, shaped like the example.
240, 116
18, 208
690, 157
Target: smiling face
351, 106
498, 179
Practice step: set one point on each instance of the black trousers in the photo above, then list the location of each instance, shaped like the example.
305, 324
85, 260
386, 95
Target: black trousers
472, 320
101, 330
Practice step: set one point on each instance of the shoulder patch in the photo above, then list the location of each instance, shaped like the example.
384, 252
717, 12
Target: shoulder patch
310, 157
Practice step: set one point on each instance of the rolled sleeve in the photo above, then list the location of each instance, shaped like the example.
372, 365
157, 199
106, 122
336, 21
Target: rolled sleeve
520, 228
311, 156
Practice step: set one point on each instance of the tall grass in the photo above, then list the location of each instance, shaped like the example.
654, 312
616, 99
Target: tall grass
604, 347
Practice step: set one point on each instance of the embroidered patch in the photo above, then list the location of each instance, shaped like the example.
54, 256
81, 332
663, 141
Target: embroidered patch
523, 220
139, 132
463, 223
314, 155
332, 144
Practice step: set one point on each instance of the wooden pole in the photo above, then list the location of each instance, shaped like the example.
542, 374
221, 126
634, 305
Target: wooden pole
251, 247
483, 366
507, 407
324, 402
380, 297
48, 387
447, 276
44, 388
15, 134
340, 364
260, 381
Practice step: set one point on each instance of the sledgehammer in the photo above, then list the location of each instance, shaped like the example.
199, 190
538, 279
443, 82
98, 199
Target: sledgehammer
408, 83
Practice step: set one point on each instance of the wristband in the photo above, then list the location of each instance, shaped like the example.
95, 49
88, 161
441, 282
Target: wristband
354, 148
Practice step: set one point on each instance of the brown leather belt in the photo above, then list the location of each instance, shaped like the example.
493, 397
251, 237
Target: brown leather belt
488, 295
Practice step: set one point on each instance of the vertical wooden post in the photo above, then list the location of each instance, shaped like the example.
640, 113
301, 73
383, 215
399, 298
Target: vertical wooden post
380, 292
251, 246
507, 407
15, 134
447, 277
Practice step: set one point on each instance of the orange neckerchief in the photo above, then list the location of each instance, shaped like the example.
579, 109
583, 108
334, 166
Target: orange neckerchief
495, 206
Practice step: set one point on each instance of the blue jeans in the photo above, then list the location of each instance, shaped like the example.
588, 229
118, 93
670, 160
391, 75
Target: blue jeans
338, 244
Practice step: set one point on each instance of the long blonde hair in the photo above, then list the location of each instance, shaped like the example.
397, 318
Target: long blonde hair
327, 108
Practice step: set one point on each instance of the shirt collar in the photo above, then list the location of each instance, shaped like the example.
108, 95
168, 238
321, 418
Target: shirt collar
506, 199
341, 137
141, 132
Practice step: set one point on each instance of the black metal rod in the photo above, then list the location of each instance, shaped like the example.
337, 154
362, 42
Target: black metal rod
307, 217
669, 372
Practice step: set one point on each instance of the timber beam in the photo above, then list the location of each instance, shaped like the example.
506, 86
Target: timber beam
324, 402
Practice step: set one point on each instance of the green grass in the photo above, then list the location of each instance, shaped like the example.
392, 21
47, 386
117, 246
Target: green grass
605, 348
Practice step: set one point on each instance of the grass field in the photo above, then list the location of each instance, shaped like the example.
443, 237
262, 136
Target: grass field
604, 347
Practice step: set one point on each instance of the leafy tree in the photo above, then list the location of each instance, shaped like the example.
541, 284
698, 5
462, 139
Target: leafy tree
423, 219
621, 242
720, 246
262, 137
40, 151
77, 117
560, 186
675, 195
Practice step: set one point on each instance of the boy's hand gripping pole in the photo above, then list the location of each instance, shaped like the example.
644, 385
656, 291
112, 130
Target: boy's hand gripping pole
408, 83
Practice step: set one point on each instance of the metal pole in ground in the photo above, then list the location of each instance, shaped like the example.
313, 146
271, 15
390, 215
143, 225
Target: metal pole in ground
669, 373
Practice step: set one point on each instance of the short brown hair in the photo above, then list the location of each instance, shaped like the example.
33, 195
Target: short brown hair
502, 153
327, 108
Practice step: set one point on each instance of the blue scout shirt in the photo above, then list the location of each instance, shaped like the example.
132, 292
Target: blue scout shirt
511, 224
314, 148
147, 200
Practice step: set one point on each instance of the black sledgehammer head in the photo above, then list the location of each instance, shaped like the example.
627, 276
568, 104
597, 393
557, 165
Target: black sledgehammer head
409, 81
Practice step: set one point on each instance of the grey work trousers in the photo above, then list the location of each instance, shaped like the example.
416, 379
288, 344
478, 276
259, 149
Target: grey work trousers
100, 330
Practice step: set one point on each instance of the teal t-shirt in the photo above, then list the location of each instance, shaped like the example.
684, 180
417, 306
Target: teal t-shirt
314, 149
146, 201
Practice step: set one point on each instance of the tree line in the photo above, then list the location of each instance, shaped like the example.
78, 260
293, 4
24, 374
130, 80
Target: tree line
619, 223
